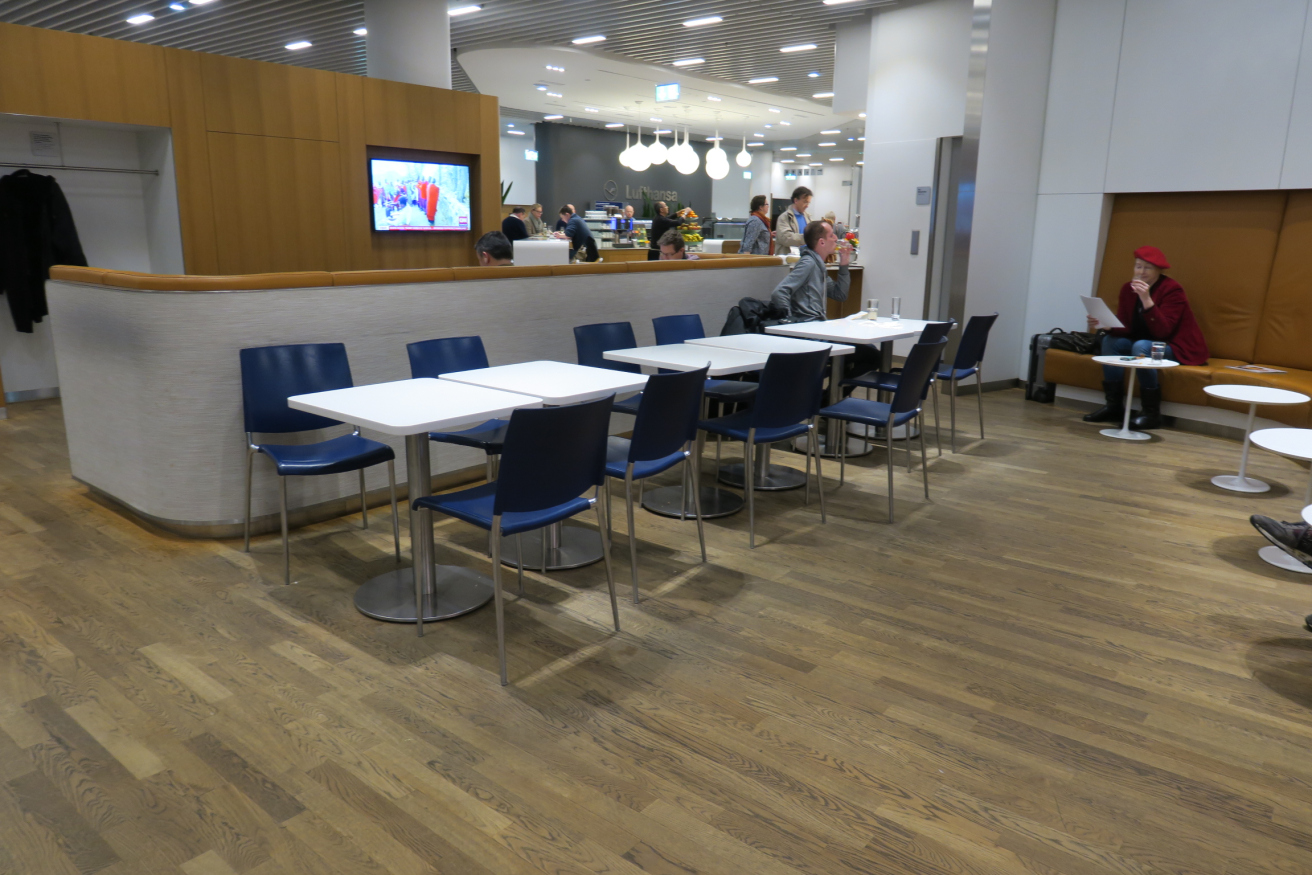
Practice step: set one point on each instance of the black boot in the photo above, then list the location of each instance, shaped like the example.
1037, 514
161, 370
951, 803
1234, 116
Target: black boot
1114, 409
1151, 415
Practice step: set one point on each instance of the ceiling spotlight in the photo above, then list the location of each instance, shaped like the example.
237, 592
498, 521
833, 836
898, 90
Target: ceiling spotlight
714, 139
831, 132
516, 133
803, 154
551, 118
788, 161
803, 47
177, 7
510, 124
860, 164
815, 164
814, 74
835, 159
775, 109
839, 2
786, 124
553, 68
540, 87
361, 31
584, 40
462, 10
758, 135
823, 145
860, 139
301, 44
200, 2
663, 131
653, 118
143, 18
756, 144
689, 62
554, 94
860, 115
788, 149
615, 125
823, 94
712, 97
698, 22
767, 127
590, 109
851, 139
763, 80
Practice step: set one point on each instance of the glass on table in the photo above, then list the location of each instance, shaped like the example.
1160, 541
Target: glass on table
872, 308
895, 311
1159, 351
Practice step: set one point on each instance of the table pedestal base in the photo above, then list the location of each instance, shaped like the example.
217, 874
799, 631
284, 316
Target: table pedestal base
1280, 559
1235, 483
716, 502
856, 444
775, 478
391, 596
567, 547
1125, 434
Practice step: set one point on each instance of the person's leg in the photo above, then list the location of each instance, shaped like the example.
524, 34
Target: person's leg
1114, 346
1294, 538
1150, 395
1147, 378
1113, 386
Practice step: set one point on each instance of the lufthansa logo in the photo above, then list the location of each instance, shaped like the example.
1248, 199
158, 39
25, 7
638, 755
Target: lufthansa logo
610, 189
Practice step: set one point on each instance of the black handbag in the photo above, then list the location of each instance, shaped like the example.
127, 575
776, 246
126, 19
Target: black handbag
1080, 342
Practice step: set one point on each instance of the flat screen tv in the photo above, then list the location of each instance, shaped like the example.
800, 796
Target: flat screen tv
419, 196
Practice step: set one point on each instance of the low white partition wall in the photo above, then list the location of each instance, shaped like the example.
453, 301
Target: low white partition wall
151, 382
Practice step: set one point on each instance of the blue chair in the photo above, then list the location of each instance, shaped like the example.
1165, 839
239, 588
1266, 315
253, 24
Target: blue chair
269, 376
593, 340
663, 437
968, 361
785, 407
906, 406
681, 329
551, 456
887, 382
446, 355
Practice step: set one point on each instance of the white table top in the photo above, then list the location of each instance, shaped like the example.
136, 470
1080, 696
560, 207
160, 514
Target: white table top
690, 357
412, 406
1255, 394
853, 330
1142, 362
768, 343
554, 382
1293, 442
1307, 514
541, 250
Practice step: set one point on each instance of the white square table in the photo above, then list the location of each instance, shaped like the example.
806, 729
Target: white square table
554, 383
414, 408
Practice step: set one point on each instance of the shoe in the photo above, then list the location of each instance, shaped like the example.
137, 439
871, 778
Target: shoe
1307, 622
1294, 538
1114, 409
1151, 415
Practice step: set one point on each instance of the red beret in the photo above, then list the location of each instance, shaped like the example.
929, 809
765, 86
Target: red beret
1153, 256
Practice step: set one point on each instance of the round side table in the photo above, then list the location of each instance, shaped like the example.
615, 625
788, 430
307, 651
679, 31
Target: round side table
1296, 443
1252, 396
1131, 364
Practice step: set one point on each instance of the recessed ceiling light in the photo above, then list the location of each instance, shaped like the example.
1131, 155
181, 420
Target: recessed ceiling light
802, 47
689, 62
714, 139
823, 145
758, 135
803, 154
814, 74
550, 118
756, 144
786, 124
838, 2
510, 124
200, 2
816, 164
361, 31
177, 7
301, 44
712, 97
462, 10
788, 161
653, 118
698, 22
767, 127
664, 131
553, 68
540, 87
762, 80
831, 132
835, 159
860, 164
141, 19
860, 139
615, 125
584, 40
822, 95
775, 109
851, 139
516, 133
788, 149
554, 94
860, 115
590, 109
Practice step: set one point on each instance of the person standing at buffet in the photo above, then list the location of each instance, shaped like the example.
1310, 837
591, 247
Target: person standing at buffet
792, 222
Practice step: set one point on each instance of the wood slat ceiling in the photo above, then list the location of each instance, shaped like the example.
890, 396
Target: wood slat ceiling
744, 46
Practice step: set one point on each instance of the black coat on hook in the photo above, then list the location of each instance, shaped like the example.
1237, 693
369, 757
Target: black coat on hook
36, 231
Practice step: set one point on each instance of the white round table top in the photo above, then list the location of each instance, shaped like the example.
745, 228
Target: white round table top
1307, 514
1293, 442
1141, 362
1255, 394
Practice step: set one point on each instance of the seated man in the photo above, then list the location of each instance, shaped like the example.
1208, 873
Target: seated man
802, 293
1294, 538
494, 250
514, 225
673, 248
1152, 308
564, 217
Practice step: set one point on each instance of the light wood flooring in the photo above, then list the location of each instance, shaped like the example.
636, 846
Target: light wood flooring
1070, 662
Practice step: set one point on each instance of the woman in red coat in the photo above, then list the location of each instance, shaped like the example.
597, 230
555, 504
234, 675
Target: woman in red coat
1152, 308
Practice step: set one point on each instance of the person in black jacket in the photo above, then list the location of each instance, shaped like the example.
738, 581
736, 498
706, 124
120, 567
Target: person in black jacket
659, 225
514, 225
36, 231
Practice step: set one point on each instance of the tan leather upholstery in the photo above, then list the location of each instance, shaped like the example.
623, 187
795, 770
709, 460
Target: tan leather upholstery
71, 274
379, 277
1286, 334
500, 273
1070, 369
589, 268
243, 282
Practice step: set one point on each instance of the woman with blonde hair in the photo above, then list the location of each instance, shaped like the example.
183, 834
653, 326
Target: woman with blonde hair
536, 227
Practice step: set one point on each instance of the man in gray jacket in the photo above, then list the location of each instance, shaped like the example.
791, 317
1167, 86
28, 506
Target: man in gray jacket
802, 293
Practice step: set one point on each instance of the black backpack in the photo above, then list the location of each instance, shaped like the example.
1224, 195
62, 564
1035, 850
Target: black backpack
751, 316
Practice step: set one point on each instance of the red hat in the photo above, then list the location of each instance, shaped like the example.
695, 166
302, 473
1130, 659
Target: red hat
1153, 256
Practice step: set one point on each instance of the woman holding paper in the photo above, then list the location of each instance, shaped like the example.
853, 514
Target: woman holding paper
1152, 309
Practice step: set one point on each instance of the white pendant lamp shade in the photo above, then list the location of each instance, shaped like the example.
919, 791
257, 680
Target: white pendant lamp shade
657, 152
624, 156
717, 161
744, 158
688, 160
639, 160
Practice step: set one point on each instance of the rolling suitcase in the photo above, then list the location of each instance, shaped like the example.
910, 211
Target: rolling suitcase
1035, 387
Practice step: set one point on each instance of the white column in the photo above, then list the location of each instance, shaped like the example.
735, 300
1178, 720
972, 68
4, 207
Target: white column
409, 41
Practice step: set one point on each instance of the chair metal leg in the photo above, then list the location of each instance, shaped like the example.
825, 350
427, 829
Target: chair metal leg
250, 461
819, 472
924, 463
695, 473
286, 545
546, 534
364, 504
497, 597
396, 520
683, 492
888, 441
979, 394
610, 519
633, 540
749, 480
810, 442
938, 432
610, 573
487, 467
908, 439
519, 547
952, 410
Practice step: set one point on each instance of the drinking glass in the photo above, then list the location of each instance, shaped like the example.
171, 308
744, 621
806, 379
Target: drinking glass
872, 308
1159, 351
895, 313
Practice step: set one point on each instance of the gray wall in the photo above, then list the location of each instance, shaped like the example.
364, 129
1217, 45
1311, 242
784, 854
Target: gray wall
574, 165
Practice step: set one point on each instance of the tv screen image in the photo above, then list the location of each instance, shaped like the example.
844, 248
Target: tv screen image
418, 196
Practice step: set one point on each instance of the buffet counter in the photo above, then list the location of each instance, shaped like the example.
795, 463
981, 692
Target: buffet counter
151, 384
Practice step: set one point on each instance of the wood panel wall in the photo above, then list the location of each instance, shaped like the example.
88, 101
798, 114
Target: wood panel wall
270, 158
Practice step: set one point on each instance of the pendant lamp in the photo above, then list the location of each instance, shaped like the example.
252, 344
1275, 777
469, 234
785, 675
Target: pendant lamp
689, 160
639, 159
717, 160
657, 152
744, 158
624, 156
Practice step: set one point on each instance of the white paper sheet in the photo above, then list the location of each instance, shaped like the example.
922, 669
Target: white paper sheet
1098, 309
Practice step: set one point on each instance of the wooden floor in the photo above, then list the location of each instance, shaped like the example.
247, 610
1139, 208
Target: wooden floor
1071, 662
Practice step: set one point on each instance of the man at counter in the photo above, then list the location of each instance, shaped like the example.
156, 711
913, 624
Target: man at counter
792, 223
494, 250
673, 248
802, 293
514, 226
582, 245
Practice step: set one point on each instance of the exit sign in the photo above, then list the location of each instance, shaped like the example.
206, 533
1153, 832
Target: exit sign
666, 93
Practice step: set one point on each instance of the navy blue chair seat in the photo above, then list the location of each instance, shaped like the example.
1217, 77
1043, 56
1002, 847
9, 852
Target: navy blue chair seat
629, 405
957, 373
736, 426
336, 456
446, 355
874, 413
487, 436
617, 460
881, 381
733, 391
474, 506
